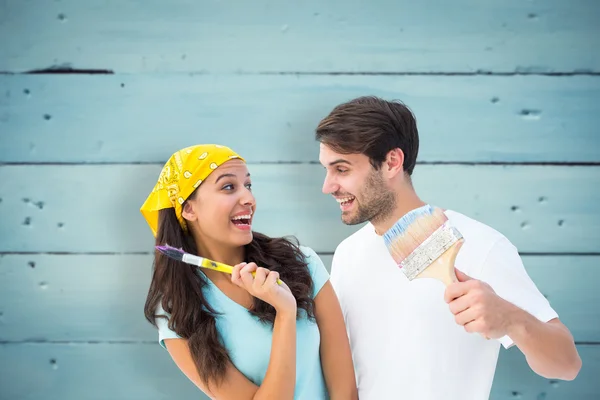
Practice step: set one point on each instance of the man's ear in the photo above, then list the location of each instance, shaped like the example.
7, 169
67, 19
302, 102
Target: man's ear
393, 164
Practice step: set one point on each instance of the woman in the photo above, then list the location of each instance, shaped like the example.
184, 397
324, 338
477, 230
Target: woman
240, 336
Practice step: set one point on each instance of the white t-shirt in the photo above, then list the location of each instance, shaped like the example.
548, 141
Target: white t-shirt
405, 342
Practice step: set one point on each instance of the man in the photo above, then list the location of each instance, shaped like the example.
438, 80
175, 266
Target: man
407, 342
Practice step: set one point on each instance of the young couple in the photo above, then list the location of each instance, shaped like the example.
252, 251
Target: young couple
367, 332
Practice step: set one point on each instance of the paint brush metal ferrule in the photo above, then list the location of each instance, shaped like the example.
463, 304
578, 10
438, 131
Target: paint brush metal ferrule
192, 259
430, 250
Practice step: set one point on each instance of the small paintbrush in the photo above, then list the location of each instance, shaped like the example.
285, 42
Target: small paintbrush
424, 244
180, 255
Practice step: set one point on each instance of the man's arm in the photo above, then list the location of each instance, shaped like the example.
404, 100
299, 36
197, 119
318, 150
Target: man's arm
548, 346
505, 304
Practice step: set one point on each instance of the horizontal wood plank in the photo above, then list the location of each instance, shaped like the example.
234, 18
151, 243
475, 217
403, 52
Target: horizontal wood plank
141, 118
91, 371
95, 208
332, 36
101, 297
514, 379
145, 371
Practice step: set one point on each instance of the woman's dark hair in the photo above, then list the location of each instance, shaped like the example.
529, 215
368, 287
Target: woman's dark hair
372, 126
178, 288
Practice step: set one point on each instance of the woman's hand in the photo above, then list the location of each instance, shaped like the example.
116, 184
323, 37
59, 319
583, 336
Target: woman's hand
263, 285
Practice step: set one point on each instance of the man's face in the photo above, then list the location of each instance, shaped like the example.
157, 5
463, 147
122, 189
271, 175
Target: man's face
360, 189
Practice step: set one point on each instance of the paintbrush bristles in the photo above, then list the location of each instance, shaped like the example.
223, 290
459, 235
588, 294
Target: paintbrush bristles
412, 230
171, 252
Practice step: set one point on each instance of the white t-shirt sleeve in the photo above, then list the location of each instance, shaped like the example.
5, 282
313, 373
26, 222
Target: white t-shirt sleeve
503, 270
163, 327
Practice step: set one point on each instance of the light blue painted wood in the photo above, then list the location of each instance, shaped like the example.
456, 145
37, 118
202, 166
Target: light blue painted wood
95, 208
337, 35
101, 297
145, 371
272, 118
92, 372
74, 298
514, 380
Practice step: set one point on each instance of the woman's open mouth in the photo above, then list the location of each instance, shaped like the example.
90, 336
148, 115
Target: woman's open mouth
243, 222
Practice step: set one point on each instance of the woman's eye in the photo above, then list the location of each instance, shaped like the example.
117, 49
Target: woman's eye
249, 186
228, 187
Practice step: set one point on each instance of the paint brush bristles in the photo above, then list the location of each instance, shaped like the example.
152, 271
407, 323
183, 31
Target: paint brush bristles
419, 238
412, 230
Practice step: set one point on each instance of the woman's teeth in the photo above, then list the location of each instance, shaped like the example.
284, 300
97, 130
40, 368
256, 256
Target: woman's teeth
241, 220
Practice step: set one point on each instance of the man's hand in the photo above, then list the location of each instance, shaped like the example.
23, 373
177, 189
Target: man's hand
478, 308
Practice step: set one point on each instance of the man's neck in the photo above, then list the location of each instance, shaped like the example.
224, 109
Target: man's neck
406, 201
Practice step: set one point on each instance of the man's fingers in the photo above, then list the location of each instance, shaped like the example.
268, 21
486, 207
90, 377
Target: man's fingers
473, 326
456, 290
461, 276
465, 317
460, 304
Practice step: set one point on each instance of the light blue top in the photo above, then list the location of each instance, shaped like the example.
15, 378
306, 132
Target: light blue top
248, 341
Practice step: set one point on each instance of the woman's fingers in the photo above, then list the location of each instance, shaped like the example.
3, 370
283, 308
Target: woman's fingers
271, 279
260, 277
235, 274
246, 275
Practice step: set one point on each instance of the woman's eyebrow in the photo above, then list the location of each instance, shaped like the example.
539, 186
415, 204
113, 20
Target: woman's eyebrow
230, 176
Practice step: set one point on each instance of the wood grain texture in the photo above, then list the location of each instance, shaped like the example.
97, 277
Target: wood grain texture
95, 208
101, 297
332, 36
145, 371
493, 82
144, 118
514, 380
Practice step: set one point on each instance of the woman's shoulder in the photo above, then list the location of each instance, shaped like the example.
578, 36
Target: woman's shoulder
311, 258
307, 252
318, 272
293, 247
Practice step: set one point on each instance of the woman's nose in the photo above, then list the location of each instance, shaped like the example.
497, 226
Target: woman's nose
248, 198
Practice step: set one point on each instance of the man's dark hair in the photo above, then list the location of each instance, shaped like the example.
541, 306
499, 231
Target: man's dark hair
371, 126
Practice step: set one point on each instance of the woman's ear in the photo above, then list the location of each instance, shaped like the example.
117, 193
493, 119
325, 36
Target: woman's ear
188, 212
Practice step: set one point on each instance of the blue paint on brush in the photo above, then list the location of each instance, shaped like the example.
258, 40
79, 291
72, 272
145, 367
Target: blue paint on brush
403, 223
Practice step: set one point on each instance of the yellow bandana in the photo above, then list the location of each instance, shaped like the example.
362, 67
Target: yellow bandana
181, 175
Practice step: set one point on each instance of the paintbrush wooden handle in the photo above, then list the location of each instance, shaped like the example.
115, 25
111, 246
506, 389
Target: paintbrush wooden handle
442, 269
217, 266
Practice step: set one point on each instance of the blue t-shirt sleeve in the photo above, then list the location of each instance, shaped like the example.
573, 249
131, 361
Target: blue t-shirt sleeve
163, 327
317, 270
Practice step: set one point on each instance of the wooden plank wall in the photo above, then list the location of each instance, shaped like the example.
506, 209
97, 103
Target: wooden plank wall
95, 95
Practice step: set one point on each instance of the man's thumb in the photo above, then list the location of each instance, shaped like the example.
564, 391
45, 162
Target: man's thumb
461, 276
